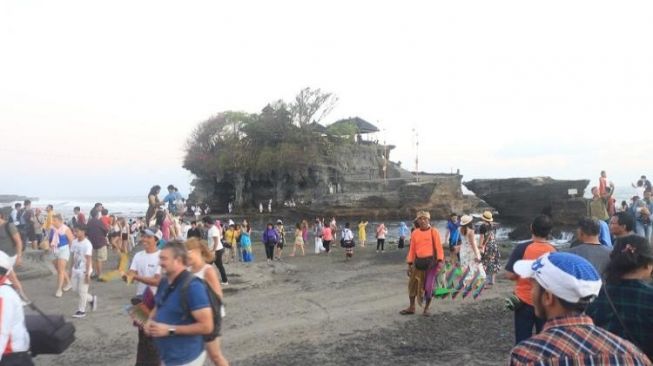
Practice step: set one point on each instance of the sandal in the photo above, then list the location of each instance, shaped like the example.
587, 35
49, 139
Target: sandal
426, 314
406, 312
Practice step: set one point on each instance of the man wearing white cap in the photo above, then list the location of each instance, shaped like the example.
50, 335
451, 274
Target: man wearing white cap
14, 339
564, 284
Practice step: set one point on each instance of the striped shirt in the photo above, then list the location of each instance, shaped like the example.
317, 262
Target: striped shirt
575, 340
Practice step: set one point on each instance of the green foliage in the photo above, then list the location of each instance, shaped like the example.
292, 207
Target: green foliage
255, 145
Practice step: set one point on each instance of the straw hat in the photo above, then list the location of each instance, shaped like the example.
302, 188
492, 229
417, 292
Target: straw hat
466, 219
422, 214
487, 216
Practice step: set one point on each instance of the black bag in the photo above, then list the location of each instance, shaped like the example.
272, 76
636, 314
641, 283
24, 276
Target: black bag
49, 334
424, 264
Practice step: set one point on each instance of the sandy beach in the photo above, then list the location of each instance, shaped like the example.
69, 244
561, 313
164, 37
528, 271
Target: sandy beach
312, 310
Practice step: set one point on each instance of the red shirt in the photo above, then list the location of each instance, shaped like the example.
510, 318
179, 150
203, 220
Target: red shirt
81, 219
106, 220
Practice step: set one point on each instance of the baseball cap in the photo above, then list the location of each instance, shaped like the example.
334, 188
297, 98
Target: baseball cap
567, 276
6, 261
152, 232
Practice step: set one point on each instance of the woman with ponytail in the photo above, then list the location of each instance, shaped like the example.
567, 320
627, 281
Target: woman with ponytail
199, 257
625, 304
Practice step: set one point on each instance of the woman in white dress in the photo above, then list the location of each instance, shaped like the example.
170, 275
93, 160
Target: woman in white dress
470, 255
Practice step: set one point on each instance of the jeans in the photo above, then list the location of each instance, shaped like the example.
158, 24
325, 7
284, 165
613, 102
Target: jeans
269, 251
81, 288
643, 230
327, 245
525, 319
380, 243
220, 265
402, 242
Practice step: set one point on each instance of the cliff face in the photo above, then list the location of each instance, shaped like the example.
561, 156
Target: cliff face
521, 199
350, 182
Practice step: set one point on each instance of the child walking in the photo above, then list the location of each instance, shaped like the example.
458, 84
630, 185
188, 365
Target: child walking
82, 251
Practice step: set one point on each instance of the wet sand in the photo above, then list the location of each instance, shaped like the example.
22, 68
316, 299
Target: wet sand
312, 310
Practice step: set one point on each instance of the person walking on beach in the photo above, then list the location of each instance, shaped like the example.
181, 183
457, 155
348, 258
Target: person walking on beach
153, 204
317, 231
453, 238
179, 337
563, 285
97, 234
425, 259
60, 238
522, 301
491, 255
404, 233
215, 244
82, 252
327, 238
348, 242
198, 258
362, 234
334, 228
381, 232
282, 239
49, 215
229, 239
146, 272
299, 240
270, 240
470, 253
246, 245
628, 288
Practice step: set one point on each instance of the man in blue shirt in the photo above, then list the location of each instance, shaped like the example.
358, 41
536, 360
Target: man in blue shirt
172, 198
179, 335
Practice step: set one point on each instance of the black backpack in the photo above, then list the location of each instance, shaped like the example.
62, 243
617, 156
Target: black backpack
214, 300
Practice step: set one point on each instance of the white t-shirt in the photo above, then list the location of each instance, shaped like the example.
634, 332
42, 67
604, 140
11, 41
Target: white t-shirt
214, 232
146, 265
80, 250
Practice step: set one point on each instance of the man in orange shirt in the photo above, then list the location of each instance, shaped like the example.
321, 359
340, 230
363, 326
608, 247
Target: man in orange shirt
525, 317
425, 258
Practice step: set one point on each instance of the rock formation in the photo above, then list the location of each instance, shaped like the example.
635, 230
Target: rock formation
520, 199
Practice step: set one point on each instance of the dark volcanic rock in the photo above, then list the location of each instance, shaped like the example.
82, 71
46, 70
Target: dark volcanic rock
521, 199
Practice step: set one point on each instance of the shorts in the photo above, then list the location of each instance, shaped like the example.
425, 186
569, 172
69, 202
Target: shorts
280, 245
101, 254
61, 253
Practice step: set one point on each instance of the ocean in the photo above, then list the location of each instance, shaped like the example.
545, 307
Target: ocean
135, 206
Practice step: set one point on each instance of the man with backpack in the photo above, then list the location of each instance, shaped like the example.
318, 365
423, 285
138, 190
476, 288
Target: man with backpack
179, 330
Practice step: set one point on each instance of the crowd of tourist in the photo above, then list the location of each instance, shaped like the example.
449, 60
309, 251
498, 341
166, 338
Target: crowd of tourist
589, 304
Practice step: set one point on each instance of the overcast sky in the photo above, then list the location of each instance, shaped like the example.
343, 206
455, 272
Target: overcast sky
97, 98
